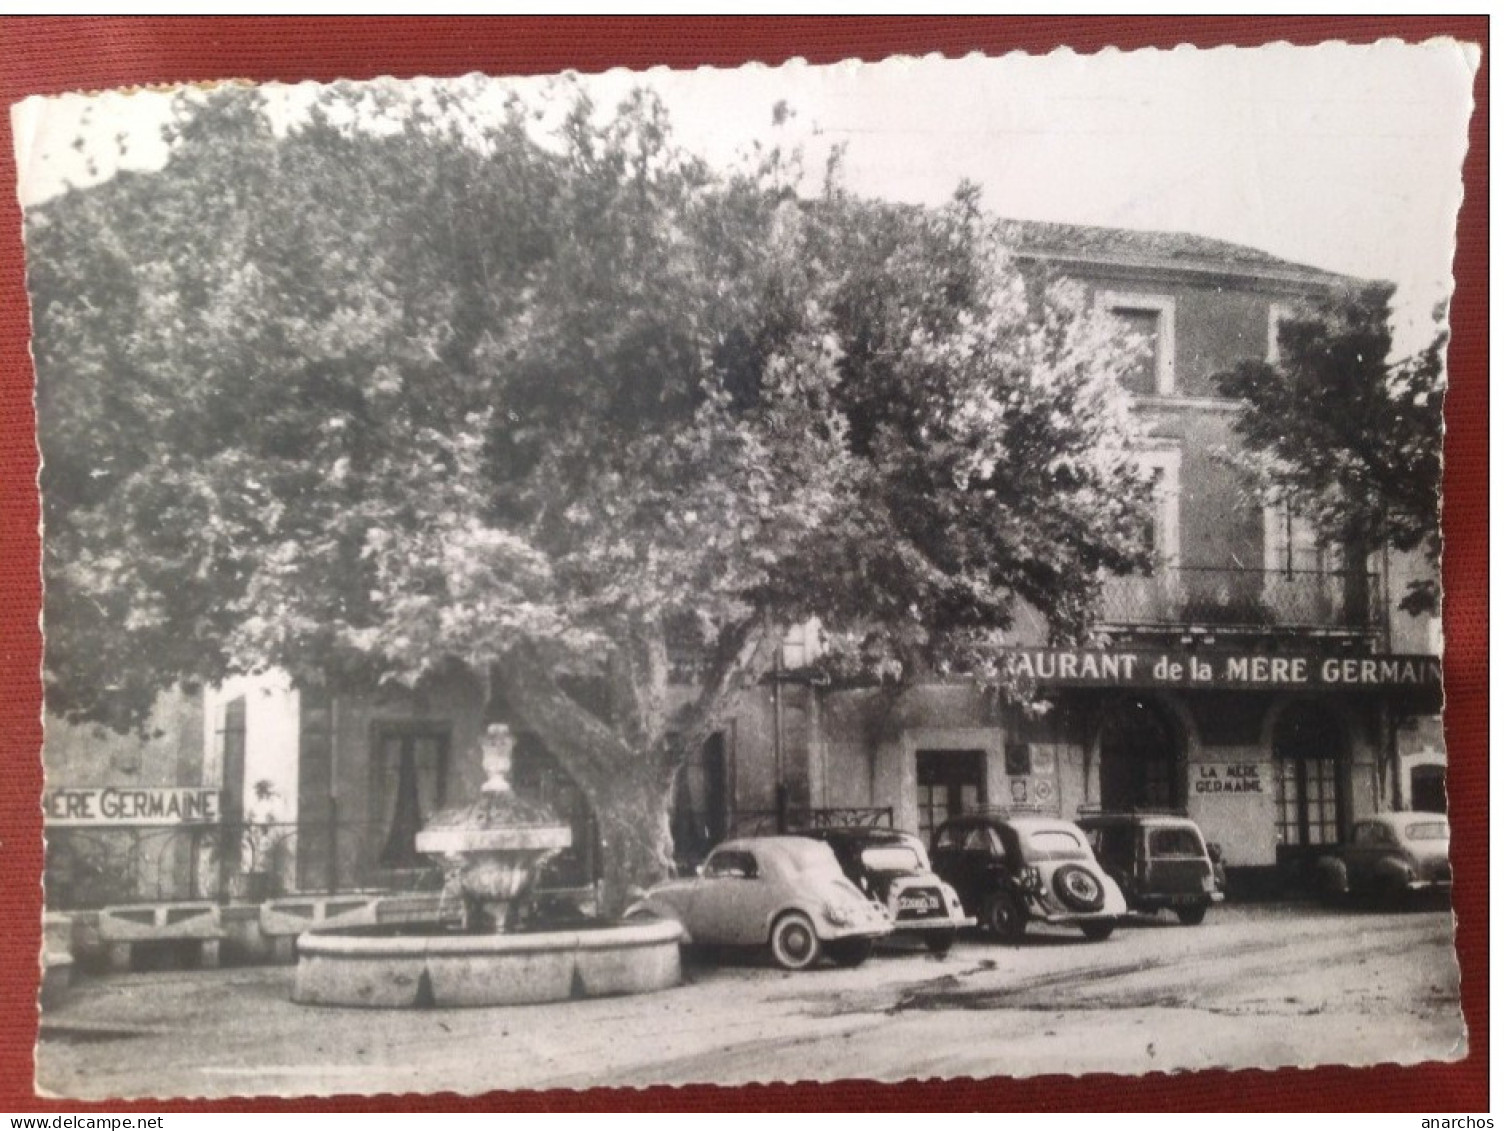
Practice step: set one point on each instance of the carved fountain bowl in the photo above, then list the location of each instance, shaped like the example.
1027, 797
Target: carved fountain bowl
494, 864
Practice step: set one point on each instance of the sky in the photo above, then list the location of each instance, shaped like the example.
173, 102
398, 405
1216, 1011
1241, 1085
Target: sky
1341, 157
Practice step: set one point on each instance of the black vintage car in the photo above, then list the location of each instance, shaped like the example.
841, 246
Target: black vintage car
892, 868
1013, 869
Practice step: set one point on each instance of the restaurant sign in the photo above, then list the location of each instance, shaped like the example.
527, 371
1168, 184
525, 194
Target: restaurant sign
114, 806
1095, 667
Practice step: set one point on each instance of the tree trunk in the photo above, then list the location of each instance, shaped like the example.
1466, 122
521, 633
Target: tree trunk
637, 848
627, 785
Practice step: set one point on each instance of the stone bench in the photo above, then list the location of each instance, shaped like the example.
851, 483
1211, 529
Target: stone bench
281, 921
57, 955
122, 929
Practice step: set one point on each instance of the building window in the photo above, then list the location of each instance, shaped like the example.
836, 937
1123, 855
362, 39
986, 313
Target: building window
1308, 581
1150, 320
409, 772
1163, 470
1291, 544
1278, 312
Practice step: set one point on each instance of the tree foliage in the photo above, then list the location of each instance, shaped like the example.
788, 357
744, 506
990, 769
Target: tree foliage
402, 385
1348, 436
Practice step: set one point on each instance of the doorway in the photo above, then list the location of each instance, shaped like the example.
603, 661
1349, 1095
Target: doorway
1310, 811
701, 803
1142, 757
951, 782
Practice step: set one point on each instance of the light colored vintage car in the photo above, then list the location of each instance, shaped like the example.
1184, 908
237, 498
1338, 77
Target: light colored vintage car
1390, 856
784, 892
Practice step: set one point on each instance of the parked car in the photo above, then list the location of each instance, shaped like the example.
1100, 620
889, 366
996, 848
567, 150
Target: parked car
893, 868
785, 892
1159, 859
1014, 868
1390, 856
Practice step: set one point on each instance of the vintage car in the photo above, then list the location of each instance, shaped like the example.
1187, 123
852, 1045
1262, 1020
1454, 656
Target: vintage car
1159, 859
1390, 856
784, 892
1014, 868
893, 868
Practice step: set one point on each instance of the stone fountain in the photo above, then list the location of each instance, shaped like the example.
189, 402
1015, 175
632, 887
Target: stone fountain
492, 851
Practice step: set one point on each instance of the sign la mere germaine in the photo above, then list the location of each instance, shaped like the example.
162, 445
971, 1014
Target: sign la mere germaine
1086, 667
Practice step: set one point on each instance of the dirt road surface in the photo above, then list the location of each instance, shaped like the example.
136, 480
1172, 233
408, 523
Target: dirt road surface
1252, 987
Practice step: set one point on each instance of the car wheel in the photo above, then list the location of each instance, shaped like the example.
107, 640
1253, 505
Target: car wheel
849, 952
1078, 889
1191, 916
1096, 932
1004, 917
940, 942
794, 942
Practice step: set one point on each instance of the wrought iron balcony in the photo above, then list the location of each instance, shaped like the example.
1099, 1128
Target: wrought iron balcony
1248, 599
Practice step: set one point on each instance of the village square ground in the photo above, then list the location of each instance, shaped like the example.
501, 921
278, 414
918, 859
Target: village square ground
1263, 985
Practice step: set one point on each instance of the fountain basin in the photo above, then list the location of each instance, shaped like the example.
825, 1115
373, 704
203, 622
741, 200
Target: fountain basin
385, 969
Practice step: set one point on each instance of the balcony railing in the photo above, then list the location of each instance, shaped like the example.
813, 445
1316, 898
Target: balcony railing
1305, 600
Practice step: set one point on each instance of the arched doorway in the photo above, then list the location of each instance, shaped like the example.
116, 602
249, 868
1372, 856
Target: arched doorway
1142, 757
1310, 751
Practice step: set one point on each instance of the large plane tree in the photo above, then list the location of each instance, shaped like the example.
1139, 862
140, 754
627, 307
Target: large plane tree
403, 386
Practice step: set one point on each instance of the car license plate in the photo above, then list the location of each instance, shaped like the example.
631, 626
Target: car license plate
923, 904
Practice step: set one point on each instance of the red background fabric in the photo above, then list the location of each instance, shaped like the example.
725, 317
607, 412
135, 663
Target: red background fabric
48, 55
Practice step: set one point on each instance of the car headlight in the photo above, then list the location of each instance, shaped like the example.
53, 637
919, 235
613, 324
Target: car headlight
839, 913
